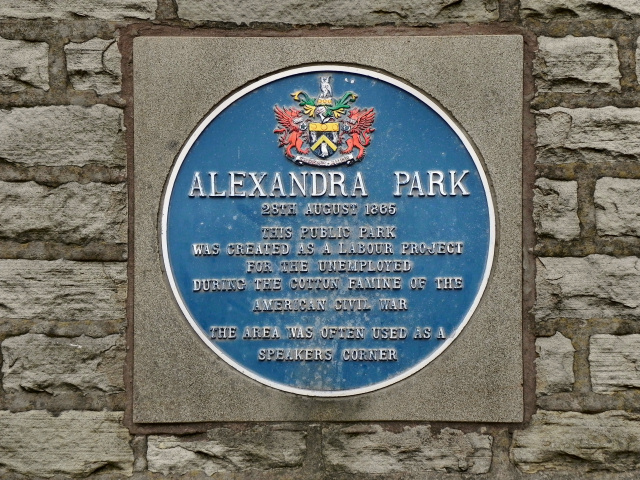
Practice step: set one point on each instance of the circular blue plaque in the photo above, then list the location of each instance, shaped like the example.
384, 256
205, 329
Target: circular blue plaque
328, 230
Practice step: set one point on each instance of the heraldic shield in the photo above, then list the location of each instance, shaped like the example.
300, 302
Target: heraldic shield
326, 125
324, 138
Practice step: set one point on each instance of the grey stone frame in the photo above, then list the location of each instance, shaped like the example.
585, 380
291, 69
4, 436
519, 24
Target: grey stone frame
178, 80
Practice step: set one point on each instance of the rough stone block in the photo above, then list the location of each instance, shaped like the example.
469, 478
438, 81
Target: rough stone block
593, 286
580, 9
370, 449
577, 65
588, 134
71, 213
614, 361
72, 9
617, 205
75, 443
638, 58
225, 450
37, 363
555, 209
554, 365
22, 65
577, 442
340, 13
63, 135
94, 65
62, 290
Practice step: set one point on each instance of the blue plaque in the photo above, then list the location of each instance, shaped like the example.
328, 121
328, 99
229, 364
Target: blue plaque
328, 230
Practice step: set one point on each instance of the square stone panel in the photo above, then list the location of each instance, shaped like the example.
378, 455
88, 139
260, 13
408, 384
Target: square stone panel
178, 80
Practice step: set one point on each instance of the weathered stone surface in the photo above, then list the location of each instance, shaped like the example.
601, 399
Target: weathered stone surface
577, 65
555, 209
638, 58
588, 134
22, 65
609, 441
76, 443
62, 290
593, 286
581, 9
94, 65
66, 135
614, 361
70, 213
226, 450
37, 363
554, 365
617, 205
370, 449
72, 9
341, 12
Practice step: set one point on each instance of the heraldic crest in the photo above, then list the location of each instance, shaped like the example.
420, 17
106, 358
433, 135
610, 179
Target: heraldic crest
331, 128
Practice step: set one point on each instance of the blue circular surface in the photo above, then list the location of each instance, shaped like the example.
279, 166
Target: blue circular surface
438, 244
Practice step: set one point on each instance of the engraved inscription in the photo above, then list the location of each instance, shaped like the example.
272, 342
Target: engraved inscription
328, 259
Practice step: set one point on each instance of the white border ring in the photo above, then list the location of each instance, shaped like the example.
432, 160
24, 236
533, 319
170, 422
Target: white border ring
260, 83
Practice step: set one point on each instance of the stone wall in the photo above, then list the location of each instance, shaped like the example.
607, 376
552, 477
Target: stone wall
64, 401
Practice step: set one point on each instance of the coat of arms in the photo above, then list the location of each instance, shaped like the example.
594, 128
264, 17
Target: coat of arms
330, 128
